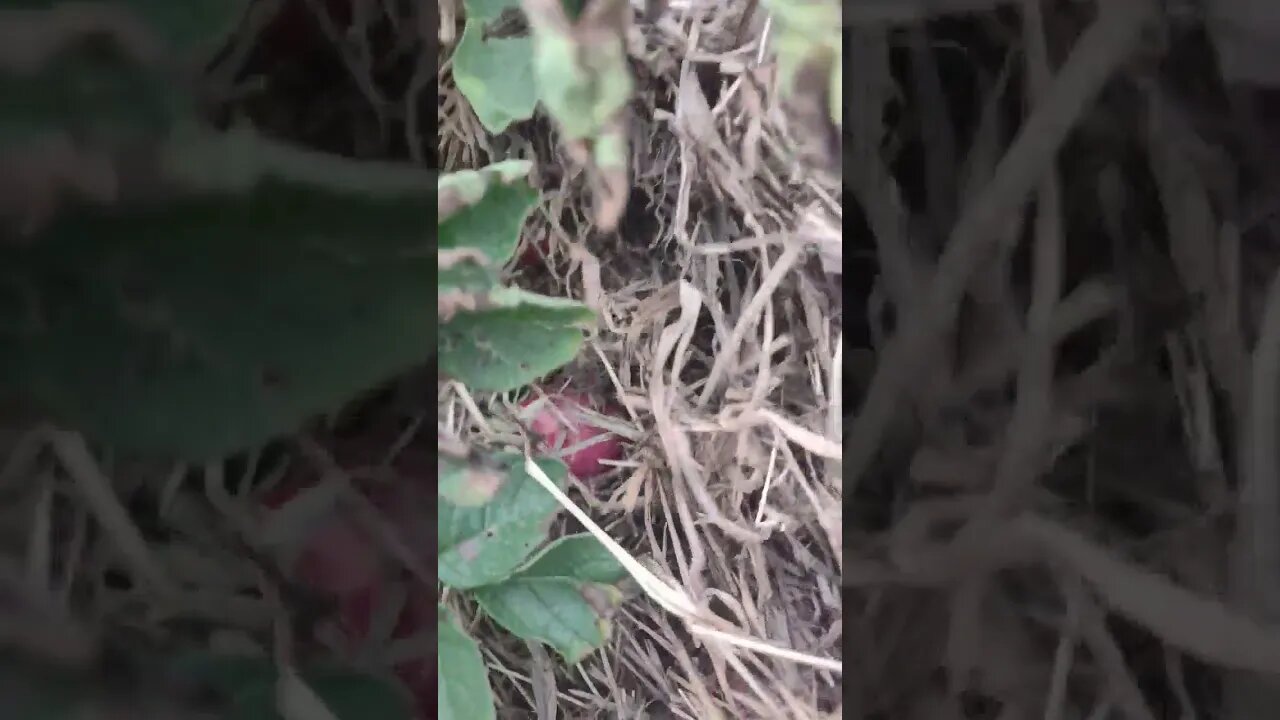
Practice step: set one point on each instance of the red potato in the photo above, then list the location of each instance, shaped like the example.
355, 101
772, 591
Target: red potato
559, 422
531, 253
419, 675
338, 559
341, 560
295, 26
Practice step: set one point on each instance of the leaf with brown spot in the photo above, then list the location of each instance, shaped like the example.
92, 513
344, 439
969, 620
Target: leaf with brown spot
584, 82
480, 228
449, 302
513, 340
809, 48
569, 615
484, 544
472, 480
457, 191
447, 258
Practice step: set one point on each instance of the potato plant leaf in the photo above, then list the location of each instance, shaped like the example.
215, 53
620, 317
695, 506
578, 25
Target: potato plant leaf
485, 544
489, 9
468, 482
569, 615
495, 75
577, 557
463, 689
809, 34
580, 64
191, 25
218, 320
98, 91
486, 210
246, 687
464, 188
515, 339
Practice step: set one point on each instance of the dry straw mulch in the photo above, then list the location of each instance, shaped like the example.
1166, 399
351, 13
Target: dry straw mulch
1061, 495
720, 341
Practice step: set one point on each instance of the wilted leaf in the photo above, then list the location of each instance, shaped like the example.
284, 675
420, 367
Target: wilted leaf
809, 41
569, 615
485, 544
463, 687
580, 65
517, 340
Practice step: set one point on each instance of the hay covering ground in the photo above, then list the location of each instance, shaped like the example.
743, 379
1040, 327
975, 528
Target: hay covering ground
719, 339
1061, 489
720, 334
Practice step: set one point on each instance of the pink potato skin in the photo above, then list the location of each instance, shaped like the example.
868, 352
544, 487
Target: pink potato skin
419, 675
586, 463
342, 561
530, 255
339, 558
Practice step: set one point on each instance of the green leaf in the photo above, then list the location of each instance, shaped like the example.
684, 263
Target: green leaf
577, 557
515, 340
469, 482
94, 90
185, 26
467, 187
491, 208
568, 615
808, 31
562, 597
214, 322
463, 686
238, 160
488, 9
247, 686
583, 76
192, 24
485, 544
496, 76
